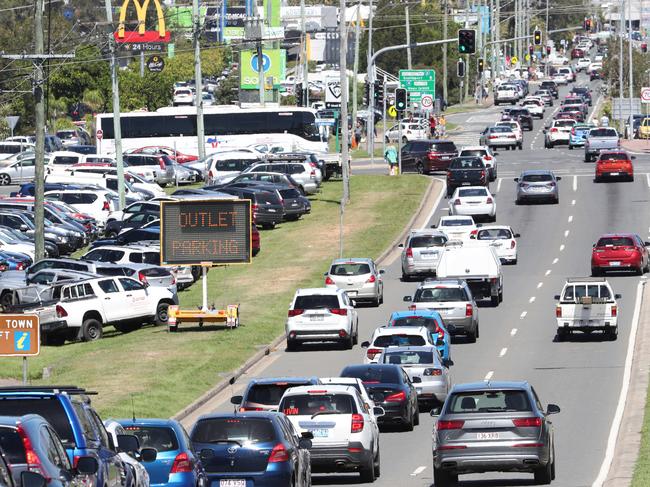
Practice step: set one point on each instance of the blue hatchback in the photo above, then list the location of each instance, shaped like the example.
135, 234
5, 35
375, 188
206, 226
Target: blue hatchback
258, 448
430, 319
579, 134
175, 465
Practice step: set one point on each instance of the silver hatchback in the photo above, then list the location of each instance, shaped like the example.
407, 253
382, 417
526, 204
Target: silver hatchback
537, 185
421, 252
493, 427
358, 277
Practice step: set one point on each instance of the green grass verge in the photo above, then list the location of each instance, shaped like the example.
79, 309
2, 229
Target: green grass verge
164, 372
641, 476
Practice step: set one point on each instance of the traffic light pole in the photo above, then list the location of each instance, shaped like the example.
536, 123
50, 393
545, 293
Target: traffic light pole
371, 79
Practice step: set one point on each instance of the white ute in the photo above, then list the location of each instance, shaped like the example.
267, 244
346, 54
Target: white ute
587, 304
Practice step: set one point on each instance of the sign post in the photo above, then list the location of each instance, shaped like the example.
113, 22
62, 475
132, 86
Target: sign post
20, 336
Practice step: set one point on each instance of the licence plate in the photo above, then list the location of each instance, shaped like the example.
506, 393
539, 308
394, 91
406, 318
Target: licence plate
614, 263
487, 436
232, 483
270, 210
351, 293
614, 174
316, 317
320, 433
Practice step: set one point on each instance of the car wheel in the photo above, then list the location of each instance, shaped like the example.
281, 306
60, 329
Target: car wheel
596, 272
471, 337
91, 330
377, 463
494, 301
292, 345
405, 277
587, 158
597, 179
162, 314
416, 417
562, 334
521, 146
543, 475
387, 140
442, 478
611, 334
410, 424
5, 179
367, 472
631, 178
570, 147
348, 343
419, 168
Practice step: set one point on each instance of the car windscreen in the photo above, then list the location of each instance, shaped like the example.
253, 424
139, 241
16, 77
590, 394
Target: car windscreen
317, 403
349, 269
399, 340
614, 156
407, 357
492, 401
466, 163
427, 322
373, 374
457, 222
564, 123
290, 193
49, 407
500, 129
423, 241
443, 147
234, 165
269, 394
241, 430
537, 178
440, 295
473, 153
12, 445
317, 301
161, 438
471, 192
615, 242
602, 132
493, 234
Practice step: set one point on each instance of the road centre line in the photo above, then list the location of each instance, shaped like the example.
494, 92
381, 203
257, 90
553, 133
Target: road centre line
489, 375
573, 202
548, 271
513, 332
566, 233
523, 315
555, 261
499, 184
561, 247
418, 471
539, 284
503, 351
570, 219
532, 299
575, 182
647, 178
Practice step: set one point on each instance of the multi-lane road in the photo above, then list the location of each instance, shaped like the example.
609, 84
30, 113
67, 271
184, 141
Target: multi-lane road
517, 341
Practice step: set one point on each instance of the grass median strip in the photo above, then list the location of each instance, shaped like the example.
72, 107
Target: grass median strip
164, 372
642, 468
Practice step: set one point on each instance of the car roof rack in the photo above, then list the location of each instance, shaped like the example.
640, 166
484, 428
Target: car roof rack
586, 279
50, 389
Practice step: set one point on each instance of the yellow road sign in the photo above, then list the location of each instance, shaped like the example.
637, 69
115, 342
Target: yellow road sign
514, 60
527, 57
392, 111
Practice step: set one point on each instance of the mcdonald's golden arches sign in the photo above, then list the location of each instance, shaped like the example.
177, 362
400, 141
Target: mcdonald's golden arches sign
141, 35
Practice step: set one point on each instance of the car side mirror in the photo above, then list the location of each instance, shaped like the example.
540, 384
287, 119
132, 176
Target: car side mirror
517, 235
401, 246
447, 362
88, 465
556, 297
440, 342
148, 455
618, 296
378, 411
516, 180
559, 178
325, 274
32, 479
407, 299
365, 344
206, 454
552, 409
646, 244
416, 380
128, 443
304, 443
382, 271
434, 226
236, 400
435, 412
23, 228
308, 435
633, 157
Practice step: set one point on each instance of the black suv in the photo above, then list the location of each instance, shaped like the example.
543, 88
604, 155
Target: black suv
551, 86
523, 116
425, 156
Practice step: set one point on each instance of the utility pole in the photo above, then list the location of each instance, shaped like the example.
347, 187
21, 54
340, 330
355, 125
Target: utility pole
408, 37
620, 54
444, 50
303, 54
497, 38
344, 119
462, 99
370, 129
357, 30
547, 37
117, 125
198, 79
630, 74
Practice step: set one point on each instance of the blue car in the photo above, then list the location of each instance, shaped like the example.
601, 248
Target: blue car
176, 465
15, 261
258, 448
578, 134
432, 320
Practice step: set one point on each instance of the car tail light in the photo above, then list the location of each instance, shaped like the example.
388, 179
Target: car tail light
449, 174
173, 280
279, 454
553, 130
106, 206
255, 208
449, 425
32, 460
372, 352
60, 311
20, 266
295, 312
371, 279
329, 281
614, 310
142, 278
357, 423
473, 233
513, 244
457, 202
343, 334
243, 410
469, 310
397, 397
488, 158
339, 311
482, 173
573, 131
313, 164
312, 174
412, 307
527, 422
432, 372
182, 464
493, 280
409, 252
558, 311
451, 447
528, 445
161, 162
493, 137
432, 155
489, 201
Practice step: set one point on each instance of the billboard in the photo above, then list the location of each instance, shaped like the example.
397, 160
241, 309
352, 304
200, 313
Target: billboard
273, 63
193, 232
142, 35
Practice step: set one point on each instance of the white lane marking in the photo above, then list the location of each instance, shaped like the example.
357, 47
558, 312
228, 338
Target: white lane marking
418, 471
499, 184
523, 315
503, 351
548, 271
489, 375
573, 202
561, 247
532, 299
575, 183
570, 219
566, 233
513, 332
555, 261
647, 178
618, 415
539, 284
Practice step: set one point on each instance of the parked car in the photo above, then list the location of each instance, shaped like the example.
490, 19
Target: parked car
158, 167
14, 171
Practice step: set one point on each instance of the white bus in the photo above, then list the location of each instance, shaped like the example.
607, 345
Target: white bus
175, 127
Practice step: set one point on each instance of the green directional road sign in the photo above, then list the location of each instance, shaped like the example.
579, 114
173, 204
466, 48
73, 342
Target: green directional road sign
421, 85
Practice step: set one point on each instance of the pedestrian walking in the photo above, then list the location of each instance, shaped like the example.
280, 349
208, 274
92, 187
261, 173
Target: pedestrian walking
442, 126
358, 131
390, 156
432, 125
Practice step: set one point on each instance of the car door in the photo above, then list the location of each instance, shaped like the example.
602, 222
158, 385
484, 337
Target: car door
136, 297
115, 468
407, 156
113, 301
25, 170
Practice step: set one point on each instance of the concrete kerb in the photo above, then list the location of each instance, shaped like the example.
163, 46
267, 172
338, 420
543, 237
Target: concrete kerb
422, 212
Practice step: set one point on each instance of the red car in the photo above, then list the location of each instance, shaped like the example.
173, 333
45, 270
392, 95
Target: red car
577, 53
177, 156
619, 251
614, 164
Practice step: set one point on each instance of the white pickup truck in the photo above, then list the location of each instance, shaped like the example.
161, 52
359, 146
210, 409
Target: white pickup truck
587, 304
85, 307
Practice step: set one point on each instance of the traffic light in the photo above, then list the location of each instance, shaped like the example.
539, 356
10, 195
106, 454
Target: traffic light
366, 94
379, 93
460, 68
537, 37
481, 65
300, 96
400, 99
466, 41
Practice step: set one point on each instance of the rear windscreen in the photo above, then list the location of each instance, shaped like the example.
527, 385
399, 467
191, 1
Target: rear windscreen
444, 147
494, 234
475, 153
310, 404
400, 340
603, 133
349, 269
159, 437
492, 401
48, 407
290, 193
12, 445
423, 241
235, 165
564, 123
472, 192
429, 323
440, 295
615, 156
268, 394
373, 374
537, 178
408, 357
317, 301
615, 241
267, 199
249, 430
457, 222
156, 272
469, 163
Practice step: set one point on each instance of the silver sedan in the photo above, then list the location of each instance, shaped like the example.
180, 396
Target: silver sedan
537, 185
17, 171
358, 277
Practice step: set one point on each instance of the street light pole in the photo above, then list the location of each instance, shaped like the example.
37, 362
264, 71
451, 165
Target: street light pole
630, 74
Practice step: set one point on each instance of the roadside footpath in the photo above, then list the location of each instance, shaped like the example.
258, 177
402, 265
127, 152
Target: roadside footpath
229, 384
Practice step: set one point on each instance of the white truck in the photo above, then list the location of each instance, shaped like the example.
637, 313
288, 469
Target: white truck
478, 265
587, 304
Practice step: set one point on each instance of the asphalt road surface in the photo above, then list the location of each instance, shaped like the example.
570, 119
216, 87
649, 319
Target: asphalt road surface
517, 338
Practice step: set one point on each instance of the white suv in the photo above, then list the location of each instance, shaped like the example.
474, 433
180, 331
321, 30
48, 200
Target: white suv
345, 435
395, 336
97, 203
321, 315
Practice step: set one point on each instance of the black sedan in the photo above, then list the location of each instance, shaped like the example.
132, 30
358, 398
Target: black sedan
523, 116
136, 220
389, 387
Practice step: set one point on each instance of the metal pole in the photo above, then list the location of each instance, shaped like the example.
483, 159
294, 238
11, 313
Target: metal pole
497, 38
547, 43
408, 37
620, 54
357, 32
24, 371
39, 169
204, 275
383, 133
444, 50
198, 77
630, 73
370, 132
260, 67
399, 142
304, 55
141, 64
117, 126
343, 65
